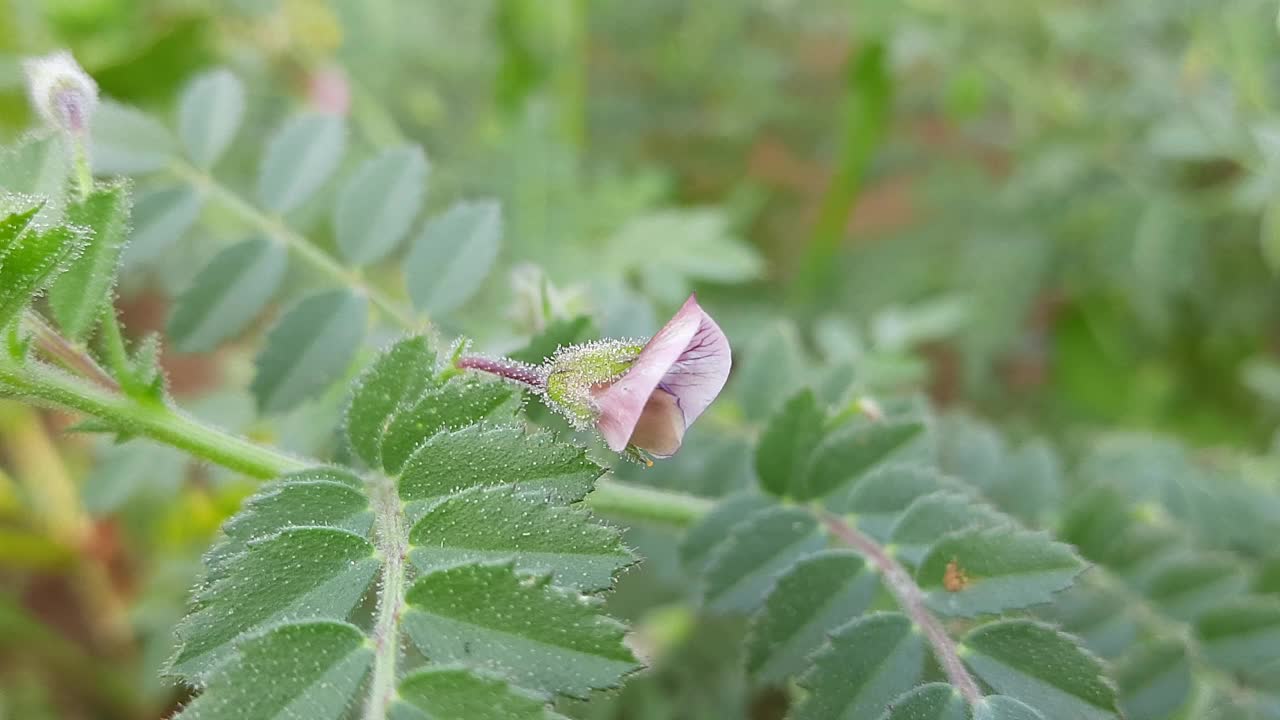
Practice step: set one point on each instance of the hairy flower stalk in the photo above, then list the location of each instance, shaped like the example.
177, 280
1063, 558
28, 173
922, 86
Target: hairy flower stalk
65, 97
641, 397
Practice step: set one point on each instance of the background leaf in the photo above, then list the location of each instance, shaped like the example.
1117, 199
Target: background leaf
126, 140
309, 349
227, 294
453, 255
209, 115
746, 563
299, 159
379, 202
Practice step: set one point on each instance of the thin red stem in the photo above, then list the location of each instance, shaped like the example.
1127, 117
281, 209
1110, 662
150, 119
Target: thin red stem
507, 369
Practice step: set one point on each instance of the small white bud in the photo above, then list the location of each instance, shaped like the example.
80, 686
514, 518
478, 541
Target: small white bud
61, 91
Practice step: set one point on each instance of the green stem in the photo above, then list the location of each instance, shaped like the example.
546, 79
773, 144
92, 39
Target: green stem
393, 546
274, 228
642, 504
154, 420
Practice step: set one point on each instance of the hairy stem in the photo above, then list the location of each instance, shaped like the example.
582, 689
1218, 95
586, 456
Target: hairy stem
60, 350
274, 228
393, 545
157, 421
911, 599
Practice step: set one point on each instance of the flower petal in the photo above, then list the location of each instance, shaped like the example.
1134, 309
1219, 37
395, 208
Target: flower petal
622, 403
700, 373
661, 427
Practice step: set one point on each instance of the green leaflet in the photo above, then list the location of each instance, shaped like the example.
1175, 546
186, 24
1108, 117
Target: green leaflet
744, 566
456, 694
378, 203
313, 572
299, 159
851, 449
486, 617
820, 592
935, 701
80, 295
1040, 666
487, 525
888, 490
309, 349
30, 259
1241, 635
1004, 568
161, 217
209, 115
1002, 707
696, 549
127, 141
460, 401
1188, 585
867, 664
931, 516
396, 378
312, 671
227, 294
788, 444
1154, 680
453, 255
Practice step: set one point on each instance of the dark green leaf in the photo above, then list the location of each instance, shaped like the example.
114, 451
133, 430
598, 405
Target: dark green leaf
309, 349
487, 617
886, 491
378, 203
80, 295
227, 294
820, 592
503, 524
30, 259
314, 670
313, 572
209, 115
460, 401
935, 701
453, 255
760, 548
786, 448
299, 158
1003, 568
854, 448
442, 693
867, 664
395, 379
478, 456
1042, 667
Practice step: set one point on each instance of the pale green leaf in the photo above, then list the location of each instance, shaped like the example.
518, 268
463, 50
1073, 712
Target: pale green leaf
39, 166
504, 524
80, 295
696, 549
127, 141
787, 445
1154, 679
160, 218
1003, 707
299, 159
445, 693
479, 456
1042, 667
309, 349
935, 701
1241, 635
227, 294
297, 671
1004, 568
931, 516
866, 664
391, 383
209, 115
759, 548
314, 572
692, 243
1187, 585
486, 617
378, 203
453, 255
886, 491
820, 592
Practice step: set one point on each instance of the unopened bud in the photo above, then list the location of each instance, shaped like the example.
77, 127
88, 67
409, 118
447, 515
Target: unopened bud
61, 91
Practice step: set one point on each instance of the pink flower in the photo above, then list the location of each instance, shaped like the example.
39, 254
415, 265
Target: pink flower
671, 382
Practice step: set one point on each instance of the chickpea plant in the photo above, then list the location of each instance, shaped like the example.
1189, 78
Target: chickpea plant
451, 567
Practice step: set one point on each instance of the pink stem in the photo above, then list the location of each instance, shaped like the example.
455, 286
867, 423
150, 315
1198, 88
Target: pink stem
508, 369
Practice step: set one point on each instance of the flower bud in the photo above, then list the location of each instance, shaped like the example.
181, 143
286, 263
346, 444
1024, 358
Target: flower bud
61, 91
